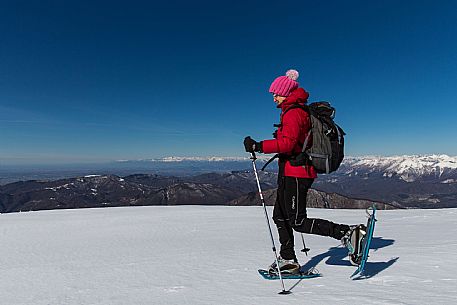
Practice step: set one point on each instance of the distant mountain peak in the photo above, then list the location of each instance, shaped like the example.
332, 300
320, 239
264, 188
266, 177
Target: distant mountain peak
407, 167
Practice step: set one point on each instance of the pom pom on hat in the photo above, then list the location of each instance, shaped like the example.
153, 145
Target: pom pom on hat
292, 74
284, 85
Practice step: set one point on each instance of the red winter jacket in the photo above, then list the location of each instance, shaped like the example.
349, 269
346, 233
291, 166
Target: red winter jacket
295, 125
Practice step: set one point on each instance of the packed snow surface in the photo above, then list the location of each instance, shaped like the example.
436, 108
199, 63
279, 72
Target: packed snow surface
210, 255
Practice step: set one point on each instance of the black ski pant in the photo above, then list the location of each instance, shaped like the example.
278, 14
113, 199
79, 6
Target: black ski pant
289, 214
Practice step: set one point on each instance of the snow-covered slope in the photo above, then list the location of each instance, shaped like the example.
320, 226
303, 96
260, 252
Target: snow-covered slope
210, 255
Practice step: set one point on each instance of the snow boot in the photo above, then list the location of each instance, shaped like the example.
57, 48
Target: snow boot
287, 266
353, 240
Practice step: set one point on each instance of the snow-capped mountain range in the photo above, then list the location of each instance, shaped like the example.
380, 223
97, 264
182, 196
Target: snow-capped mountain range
425, 181
407, 168
408, 180
411, 181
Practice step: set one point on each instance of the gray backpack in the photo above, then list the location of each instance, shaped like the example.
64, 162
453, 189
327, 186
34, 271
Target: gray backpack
327, 150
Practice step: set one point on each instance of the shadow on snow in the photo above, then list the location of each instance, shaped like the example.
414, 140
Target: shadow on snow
338, 256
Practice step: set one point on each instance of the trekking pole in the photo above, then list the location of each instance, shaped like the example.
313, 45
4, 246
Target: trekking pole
304, 245
284, 291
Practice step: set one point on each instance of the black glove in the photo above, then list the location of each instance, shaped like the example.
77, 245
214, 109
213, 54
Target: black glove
252, 146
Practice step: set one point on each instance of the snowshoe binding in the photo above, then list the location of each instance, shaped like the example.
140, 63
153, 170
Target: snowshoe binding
290, 269
287, 266
354, 240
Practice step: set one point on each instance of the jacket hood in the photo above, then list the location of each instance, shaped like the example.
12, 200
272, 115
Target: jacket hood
298, 96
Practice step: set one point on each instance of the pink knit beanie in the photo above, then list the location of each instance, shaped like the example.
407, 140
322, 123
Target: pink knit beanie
284, 85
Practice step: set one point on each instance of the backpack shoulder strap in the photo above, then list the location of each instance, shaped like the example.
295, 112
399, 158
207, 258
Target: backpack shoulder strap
305, 108
301, 106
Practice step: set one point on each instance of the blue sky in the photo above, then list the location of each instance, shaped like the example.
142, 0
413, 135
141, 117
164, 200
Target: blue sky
89, 81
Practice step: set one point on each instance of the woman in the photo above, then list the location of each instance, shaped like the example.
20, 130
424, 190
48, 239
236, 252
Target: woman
294, 181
